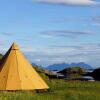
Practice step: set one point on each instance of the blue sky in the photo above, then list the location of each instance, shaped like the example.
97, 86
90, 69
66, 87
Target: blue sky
49, 31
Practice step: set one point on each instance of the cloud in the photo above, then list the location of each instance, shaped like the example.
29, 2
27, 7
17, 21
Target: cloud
89, 53
69, 2
96, 19
64, 33
1, 42
7, 33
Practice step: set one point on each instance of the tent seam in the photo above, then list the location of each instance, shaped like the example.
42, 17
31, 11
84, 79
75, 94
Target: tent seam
7, 77
17, 69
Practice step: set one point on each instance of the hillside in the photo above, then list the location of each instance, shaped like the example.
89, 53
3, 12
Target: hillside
72, 70
1, 56
95, 74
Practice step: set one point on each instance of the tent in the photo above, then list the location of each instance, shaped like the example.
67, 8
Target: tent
16, 73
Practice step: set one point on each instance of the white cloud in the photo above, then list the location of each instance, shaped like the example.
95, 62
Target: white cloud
69, 2
71, 34
89, 53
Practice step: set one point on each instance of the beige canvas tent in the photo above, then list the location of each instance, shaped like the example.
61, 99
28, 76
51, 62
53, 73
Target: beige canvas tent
17, 74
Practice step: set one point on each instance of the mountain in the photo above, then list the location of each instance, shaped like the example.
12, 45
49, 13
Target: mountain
57, 66
33, 64
82, 65
65, 65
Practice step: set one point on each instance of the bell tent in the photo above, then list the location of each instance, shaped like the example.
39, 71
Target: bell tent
16, 73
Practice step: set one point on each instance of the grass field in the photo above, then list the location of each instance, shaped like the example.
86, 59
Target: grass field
60, 90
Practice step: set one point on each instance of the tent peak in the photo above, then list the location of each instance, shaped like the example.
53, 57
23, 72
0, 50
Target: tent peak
14, 46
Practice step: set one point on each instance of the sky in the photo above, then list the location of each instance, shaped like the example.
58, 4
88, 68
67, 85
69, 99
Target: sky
52, 31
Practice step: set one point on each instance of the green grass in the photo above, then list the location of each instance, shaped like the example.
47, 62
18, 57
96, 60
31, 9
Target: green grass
60, 90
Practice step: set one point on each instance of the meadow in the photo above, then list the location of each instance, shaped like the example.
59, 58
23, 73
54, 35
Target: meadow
59, 90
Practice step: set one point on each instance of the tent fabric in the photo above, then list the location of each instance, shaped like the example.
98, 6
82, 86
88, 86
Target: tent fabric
16, 73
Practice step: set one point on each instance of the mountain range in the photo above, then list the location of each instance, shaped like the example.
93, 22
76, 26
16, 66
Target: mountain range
62, 66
